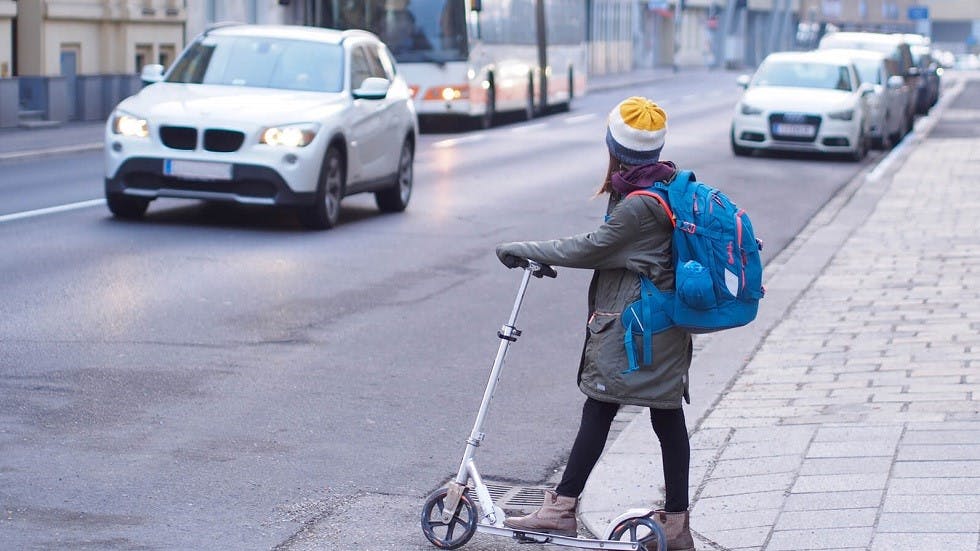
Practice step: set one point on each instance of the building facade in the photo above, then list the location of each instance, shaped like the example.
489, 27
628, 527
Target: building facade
74, 59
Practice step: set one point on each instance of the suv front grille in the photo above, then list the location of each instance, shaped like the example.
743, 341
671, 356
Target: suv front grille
223, 141
179, 137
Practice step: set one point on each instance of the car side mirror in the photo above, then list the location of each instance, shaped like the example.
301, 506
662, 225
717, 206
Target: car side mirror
372, 88
743, 80
151, 73
866, 89
914, 71
895, 81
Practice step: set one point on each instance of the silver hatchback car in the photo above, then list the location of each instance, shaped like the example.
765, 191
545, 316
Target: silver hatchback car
887, 106
269, 115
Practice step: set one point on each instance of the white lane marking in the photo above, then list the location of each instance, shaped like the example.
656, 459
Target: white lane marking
78, 148
51, 210
580, 118
456, 141
529, 127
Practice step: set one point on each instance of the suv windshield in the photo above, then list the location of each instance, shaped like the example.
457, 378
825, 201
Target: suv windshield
262, 62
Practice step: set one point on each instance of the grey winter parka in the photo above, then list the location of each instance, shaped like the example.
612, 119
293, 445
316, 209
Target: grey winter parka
635, 238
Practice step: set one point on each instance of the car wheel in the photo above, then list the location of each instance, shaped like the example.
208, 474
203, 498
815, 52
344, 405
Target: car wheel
125, 206
395, 199
860, 149
325, 212
896, 136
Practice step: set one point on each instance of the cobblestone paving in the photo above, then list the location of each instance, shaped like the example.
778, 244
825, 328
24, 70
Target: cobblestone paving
857, 423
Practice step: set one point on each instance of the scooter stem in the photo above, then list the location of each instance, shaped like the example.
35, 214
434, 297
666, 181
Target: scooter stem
508, 334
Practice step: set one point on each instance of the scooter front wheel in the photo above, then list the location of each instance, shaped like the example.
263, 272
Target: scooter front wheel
458, 530
643, 530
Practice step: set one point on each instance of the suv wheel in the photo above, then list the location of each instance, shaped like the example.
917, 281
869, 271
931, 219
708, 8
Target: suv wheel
125, 206
325, 212
395, 198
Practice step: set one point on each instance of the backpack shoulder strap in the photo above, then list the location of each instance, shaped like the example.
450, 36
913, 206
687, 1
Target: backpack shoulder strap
659, 196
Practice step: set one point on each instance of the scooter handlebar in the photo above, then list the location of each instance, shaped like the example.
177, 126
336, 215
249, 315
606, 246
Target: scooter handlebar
538, 269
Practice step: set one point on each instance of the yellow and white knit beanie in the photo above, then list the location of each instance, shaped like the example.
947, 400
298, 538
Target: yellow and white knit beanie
636, 131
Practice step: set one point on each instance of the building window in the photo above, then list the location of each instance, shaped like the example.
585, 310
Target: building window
167, 54
144, 55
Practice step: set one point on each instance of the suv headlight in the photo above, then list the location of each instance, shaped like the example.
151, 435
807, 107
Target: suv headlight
845, 115
290, 135
130, 126
747, 109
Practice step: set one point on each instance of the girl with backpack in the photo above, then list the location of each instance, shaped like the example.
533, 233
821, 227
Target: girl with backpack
634, 239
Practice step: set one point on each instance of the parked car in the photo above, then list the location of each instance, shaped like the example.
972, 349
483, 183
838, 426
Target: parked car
966, 62
892, 44
930, 70
803, 101
285, 115
889, 120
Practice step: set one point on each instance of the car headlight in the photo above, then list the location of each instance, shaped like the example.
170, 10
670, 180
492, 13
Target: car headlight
845, 115
130, 126
290, 135
747, 109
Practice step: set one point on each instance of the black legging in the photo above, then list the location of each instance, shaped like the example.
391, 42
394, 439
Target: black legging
675, 448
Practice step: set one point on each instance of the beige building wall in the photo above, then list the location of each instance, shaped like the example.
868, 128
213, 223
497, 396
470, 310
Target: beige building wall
952, 10
8, 10
107, 36
876, 12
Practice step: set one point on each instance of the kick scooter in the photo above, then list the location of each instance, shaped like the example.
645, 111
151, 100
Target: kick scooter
450, 516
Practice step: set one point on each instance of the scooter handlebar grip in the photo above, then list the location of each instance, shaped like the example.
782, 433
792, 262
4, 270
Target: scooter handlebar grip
540, 270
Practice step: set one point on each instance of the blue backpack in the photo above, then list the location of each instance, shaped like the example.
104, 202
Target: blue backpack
717, 267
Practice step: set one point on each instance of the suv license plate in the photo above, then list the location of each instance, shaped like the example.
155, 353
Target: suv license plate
794, 130
197, 170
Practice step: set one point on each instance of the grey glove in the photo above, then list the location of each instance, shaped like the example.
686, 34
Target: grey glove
507, 253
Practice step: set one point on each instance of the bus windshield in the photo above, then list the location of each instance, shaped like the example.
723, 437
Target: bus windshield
414, 30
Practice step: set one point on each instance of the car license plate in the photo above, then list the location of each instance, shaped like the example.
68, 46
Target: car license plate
794, 130
197, 170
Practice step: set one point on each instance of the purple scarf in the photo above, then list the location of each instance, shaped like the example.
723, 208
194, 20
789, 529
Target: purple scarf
640, 177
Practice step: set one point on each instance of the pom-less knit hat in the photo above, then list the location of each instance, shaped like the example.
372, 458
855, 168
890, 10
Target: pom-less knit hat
636, 131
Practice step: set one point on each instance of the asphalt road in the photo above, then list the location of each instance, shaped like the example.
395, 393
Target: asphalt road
219, 378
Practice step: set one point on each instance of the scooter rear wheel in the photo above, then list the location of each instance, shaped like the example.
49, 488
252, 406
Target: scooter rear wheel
643, 530
443, 534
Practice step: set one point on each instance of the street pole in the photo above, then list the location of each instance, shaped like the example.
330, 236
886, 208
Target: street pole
677, 32
726, 32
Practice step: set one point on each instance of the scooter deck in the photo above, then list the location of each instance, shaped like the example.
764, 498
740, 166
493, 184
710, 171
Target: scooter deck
525, 536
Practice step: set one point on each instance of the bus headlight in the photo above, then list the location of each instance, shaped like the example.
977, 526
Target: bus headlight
450, 92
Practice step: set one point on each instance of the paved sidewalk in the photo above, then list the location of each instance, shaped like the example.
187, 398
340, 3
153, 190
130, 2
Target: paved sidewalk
855, 423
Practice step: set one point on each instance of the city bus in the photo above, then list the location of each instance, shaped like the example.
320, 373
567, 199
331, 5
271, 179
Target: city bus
476, 59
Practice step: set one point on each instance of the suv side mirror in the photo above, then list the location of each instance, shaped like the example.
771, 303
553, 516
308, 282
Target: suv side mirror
743, 80
372, 88
151, 73
866, 89
913, 71
895, 81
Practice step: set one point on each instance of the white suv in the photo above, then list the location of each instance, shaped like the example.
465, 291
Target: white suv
270, 115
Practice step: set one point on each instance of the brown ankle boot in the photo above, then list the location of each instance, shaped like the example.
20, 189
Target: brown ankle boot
556, 516
677, 528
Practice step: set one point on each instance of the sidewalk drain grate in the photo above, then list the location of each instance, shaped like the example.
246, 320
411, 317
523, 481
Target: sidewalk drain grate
516, 498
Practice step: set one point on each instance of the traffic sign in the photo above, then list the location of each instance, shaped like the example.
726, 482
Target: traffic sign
917, 13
